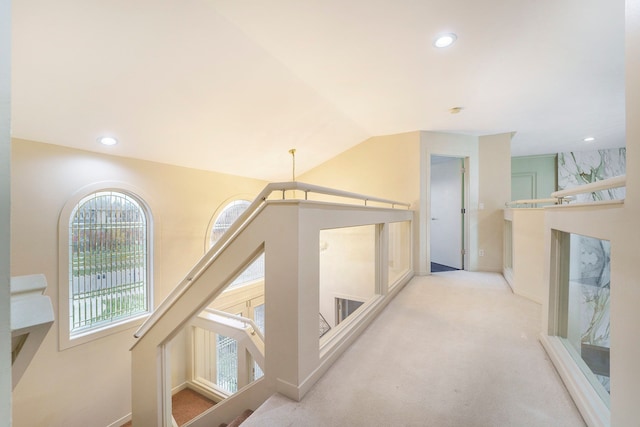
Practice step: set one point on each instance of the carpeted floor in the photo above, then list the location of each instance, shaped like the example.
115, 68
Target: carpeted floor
452, 349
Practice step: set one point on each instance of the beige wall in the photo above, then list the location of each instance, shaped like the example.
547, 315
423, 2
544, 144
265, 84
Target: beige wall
495, 191
397, 167
5, 152
90, 384
382, 166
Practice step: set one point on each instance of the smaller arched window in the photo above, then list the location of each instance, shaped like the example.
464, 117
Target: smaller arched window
108, 261
227, 216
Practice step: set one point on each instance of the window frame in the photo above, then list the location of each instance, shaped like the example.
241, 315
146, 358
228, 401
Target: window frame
208, 243
65, 338
560, 302
212, 221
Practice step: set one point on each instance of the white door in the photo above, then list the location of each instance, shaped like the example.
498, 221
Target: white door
446, 237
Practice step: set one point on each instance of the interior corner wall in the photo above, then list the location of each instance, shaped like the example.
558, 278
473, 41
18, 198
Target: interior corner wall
382, 166
495, 191
90, 384
5, 199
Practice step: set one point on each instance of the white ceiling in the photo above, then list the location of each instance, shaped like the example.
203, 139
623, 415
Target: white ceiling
232, 85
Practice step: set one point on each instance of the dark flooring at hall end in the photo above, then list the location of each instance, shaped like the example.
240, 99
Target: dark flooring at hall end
436, 268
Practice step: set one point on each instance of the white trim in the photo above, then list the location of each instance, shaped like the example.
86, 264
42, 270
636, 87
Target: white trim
65, 340
207, 237
591, 407
121, 421
470, 155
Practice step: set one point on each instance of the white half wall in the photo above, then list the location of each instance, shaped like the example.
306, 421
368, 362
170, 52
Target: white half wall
528, 252
618, 224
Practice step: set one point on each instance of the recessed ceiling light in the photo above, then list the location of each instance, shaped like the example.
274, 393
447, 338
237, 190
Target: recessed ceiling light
445, 40
455, 110
107, 140
589, 139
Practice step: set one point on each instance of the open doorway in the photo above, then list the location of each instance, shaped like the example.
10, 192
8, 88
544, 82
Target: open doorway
448, 211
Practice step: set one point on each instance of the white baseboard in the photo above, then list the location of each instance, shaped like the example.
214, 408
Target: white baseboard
591, 407
121, 421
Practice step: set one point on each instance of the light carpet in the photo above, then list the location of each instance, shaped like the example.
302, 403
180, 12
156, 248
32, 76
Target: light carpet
452, 349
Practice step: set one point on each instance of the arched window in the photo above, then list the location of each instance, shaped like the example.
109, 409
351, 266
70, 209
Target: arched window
226, 217
108, 261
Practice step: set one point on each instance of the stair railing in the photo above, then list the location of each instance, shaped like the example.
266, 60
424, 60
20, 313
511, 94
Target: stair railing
297, 360
240, 224
247, 336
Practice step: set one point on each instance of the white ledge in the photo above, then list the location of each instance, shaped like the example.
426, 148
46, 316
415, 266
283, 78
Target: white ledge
531, 201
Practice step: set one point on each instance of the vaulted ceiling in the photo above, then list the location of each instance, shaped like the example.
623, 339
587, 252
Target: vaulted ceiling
232, 85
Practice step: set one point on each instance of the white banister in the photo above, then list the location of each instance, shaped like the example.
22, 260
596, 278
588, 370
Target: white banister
243, 320
605, 184
252, 210
242, 329
310, 188
288, 234
563, 196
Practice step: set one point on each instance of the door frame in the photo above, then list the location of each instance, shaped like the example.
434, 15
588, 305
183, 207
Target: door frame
464, 205
458, 163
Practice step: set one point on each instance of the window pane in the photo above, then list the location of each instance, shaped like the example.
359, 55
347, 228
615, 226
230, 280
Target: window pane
586, 322
258, 317
347, 270
108, 261
227, 364
257, 371
230, 213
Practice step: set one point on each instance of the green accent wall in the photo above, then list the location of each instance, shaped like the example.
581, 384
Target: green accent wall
534, 177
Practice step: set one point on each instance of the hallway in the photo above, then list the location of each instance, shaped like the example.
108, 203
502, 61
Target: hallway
452, 349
